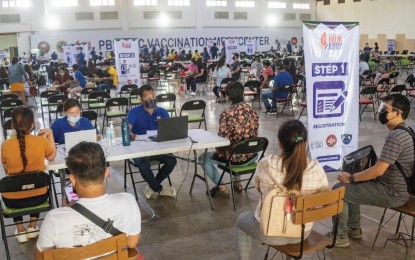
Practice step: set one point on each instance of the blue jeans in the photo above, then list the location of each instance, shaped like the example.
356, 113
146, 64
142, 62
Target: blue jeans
194, 81
210, 168
106, 87
372, 193
144, 166
266, 96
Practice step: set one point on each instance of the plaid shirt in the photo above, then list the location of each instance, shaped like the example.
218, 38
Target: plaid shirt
238, 122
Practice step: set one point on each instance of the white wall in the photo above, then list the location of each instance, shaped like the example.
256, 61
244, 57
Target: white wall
197, 19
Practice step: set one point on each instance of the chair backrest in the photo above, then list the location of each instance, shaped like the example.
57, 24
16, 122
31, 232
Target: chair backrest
8, 113
8, 96
168, 97
99, 96
397, 89
10, 103
86, 91
285, 89
91, 115
252, 145
252, 84
316, 207
368, 91
57, 99
113, 248
394, 75
193, 105
128, 88
116, 102
24, 182
134, 92
47, 93
225, 81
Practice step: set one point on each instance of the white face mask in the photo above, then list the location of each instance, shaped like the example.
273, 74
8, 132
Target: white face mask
74, 119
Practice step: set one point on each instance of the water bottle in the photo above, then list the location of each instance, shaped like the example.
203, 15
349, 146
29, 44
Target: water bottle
112, 133
125, 131
108, 135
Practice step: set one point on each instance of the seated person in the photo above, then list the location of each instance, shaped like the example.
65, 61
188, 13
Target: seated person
191, 70
26, 153
142, 118
200, 76
80, 82
266, 75
72, 122
221, 72
282, 78
62, 81
256, 68
109, 82
237, 123
66, 228
292, 170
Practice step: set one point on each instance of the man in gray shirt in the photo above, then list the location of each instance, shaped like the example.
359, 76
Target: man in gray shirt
381, 185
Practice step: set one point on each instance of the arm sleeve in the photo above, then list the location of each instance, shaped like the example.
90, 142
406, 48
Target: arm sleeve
48, 149
47, 234
131, 118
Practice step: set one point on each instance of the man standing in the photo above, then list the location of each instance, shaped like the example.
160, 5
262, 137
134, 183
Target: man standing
94, 56
214, 51
236, 67
282, 78
141, 119
111, 82
66, 228
54, 56
381, 185
366, 52
80, 58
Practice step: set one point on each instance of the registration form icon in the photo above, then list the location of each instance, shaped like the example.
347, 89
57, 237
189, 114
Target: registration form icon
329, 98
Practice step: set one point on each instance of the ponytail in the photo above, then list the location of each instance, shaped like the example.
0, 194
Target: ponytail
22, 122
22, 146
295, 165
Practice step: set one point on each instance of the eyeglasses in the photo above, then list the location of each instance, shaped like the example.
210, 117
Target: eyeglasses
383, 107
72, 114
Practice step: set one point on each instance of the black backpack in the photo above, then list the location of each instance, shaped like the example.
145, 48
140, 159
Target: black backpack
410, 181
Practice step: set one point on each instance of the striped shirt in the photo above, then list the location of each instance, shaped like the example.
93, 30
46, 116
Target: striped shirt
314, 179
398, 147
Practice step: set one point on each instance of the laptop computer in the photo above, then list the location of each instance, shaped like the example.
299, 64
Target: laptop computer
74, 138
172, 128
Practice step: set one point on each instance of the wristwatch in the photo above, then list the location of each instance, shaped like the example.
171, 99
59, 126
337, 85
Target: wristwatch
351, 178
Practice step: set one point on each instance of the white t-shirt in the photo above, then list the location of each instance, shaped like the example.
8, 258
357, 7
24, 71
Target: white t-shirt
363, 66
221, 73
66, 228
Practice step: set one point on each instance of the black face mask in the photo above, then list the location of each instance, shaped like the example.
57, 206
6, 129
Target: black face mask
382, 117
150, 104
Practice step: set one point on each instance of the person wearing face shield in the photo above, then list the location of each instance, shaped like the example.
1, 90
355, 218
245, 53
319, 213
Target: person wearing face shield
71, 122
141, 119
381, 185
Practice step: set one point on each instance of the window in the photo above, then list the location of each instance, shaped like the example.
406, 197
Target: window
342, 1
305, 17
101, 2
326, 2
149, 15
221, 15
9, 18
61, 3
289, 16
244, 3
301, 6
145, 2
178, 3
216, 3
108, 15
240, 16
17, 3
177, 15
273, 4
84, 16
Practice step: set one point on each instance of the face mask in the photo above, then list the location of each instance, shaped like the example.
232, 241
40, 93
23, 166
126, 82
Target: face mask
382, 117
74, 119
150, 104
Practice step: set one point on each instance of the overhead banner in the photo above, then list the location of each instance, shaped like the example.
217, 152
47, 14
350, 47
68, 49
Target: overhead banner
127, 62
71, 53
331, 52
231, 47
250, 47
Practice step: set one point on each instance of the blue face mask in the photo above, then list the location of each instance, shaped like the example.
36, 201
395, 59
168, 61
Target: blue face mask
73, 119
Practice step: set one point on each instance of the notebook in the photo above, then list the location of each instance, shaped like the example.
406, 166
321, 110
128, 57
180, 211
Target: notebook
74, 138
171, 129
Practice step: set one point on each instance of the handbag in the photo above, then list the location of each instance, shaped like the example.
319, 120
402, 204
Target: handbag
359, 160
133, 253
33, 91
277, 210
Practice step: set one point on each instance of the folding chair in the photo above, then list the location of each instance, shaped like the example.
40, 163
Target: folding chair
223, 85
17, 183
109, 248
303, 104
366, 98
91, 115
368, 81
397, 89
120, 103
53, 105
253, 91
167, 101
135, 98
44, 101
84, 95
7, 126
8, 104
312, 208
126, 90
195, 110
288, 90
383, 89
130, 162
96, 100
256, 145
8, 96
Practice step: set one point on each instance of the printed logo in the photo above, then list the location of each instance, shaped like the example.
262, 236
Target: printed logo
331, 141
331, 41
126, 45
346, 138
317, 144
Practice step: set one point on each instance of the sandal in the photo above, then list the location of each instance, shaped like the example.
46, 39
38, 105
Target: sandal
237, 186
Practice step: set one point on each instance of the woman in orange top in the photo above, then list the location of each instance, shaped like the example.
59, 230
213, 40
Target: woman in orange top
26, 153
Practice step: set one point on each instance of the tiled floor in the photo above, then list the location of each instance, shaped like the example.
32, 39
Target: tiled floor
189, 229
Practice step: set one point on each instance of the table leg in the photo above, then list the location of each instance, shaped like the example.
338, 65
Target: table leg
204, 175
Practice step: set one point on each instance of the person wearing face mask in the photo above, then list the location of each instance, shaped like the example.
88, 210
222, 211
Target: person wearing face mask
62, 81
72, 122
236, 67
381, 185
141, 119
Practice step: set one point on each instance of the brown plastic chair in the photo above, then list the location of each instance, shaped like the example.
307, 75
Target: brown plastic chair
116, 246
313, 208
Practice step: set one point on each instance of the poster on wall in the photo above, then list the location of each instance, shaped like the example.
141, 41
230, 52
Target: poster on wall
231, 47
332, 72
391, 45
126, 61
72, 51
250, 47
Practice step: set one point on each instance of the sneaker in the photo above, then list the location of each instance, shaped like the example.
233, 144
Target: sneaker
272, 112
193, 94
355, 233
169, 191
34, 230
21, 237
341, 241
148, 192
217, 192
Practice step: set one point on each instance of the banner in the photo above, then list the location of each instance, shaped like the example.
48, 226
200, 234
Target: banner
71, 53
250, 47
231, 47
127, 62
332, 71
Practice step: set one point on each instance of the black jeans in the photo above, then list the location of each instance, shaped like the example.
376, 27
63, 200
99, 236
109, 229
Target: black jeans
25, 203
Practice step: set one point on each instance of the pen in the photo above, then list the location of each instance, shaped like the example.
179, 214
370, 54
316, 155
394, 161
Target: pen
340, 100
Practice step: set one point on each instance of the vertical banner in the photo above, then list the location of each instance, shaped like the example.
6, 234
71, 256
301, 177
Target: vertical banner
231, 47
127, 62
391, 45
250, 47
70, 53
331, 52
